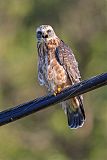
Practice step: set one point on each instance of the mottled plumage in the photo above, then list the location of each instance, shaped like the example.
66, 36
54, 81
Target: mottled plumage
58, 69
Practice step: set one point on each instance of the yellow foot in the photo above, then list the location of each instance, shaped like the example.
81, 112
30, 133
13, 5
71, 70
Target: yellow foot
57, 91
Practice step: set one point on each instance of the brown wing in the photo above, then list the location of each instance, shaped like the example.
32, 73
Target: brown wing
67, 59
41, 66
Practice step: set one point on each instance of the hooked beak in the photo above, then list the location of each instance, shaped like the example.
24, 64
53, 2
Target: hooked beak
45, 35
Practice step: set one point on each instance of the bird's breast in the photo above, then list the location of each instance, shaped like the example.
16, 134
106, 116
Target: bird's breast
56, 73
53, 43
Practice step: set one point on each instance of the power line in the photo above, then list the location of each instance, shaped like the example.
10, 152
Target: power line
38, 104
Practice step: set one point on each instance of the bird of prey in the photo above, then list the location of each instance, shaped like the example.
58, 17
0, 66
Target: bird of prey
57, 70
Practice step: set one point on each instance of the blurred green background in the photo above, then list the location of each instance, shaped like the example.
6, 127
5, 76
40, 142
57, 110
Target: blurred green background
82, 24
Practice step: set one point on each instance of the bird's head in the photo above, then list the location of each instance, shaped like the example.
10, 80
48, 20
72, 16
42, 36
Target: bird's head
45, 33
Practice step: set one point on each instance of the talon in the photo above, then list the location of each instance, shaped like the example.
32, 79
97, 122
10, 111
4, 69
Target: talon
55, 93
59, 89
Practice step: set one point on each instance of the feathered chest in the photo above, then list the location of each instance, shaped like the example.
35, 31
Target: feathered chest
47, 51
53, 73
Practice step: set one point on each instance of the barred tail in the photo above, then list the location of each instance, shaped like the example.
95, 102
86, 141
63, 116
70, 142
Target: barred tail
75, 113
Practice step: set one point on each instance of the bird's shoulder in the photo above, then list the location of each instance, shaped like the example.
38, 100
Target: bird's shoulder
65, 57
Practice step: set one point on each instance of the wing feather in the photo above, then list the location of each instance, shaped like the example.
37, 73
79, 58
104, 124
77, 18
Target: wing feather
66, 58
41, 66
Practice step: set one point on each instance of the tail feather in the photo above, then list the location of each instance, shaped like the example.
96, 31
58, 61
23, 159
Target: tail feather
76, 117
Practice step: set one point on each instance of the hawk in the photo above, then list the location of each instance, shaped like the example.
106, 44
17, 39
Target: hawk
57, 70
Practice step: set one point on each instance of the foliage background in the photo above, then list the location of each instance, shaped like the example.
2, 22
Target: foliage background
45, 135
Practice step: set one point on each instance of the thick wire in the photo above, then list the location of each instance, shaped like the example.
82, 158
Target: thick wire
38, 104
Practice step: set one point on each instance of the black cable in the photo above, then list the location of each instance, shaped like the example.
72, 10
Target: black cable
35, 105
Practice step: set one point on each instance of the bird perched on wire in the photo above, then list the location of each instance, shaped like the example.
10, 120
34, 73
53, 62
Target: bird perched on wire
57, 70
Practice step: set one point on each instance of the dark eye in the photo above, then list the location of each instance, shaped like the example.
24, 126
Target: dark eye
48, 31
39, 33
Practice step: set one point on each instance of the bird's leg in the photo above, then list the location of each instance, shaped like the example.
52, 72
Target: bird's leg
55, 93
58, 90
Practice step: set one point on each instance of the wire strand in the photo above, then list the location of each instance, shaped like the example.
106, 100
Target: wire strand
38, 104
